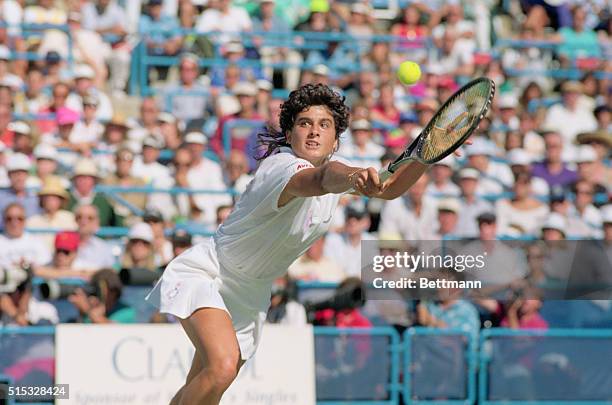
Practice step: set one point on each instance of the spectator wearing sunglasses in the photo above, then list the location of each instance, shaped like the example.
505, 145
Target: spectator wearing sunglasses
18, 248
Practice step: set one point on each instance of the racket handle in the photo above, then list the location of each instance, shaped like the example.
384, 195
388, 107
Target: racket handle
383, 174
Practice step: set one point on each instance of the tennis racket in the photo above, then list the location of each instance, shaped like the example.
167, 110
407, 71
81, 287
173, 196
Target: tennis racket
452, 124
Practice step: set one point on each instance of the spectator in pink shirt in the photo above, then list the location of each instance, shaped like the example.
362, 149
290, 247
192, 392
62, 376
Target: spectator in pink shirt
524, 314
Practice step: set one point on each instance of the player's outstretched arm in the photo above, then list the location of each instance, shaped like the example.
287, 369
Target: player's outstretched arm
402, 180
331, 177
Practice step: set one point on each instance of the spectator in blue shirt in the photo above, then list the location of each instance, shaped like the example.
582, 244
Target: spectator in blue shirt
577, 41
450, 312
17, 167
161, 32
233, 54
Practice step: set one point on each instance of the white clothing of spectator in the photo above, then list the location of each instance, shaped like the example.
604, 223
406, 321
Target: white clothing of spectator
111, 19
413, 215
494, 176
225, 19
84, 76
205, 174
570, 118
12, 14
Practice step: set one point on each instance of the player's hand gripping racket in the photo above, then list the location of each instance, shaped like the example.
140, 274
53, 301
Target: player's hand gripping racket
452, 124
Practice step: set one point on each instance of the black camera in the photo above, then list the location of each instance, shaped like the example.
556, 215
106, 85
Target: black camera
55, 290
349, 296
139, 276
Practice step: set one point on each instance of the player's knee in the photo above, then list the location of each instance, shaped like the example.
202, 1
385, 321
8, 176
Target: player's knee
224, 372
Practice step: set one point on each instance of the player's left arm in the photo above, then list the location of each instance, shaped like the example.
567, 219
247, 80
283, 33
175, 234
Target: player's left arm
402, 180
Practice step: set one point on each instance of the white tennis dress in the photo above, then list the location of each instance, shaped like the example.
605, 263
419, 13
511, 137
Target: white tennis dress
235, 268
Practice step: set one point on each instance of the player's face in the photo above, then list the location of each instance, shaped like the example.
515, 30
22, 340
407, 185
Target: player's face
313, 136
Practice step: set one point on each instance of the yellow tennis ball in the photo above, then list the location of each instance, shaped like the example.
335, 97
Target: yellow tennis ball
409, 72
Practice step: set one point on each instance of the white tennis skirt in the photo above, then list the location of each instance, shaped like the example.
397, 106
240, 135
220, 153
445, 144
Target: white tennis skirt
196, 279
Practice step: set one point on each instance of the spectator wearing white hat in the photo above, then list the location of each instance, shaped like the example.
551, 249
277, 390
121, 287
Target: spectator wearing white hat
507, 118
84, 76
93, 253
601, 141
53, 196
414, 215
448, 216
188, 98
520, 160
147, 168
592, 168
471, 205
139, 252
583, 206
22, 137
362, 151
554, 228
18, 247
17, 166
522, 211
246, 93
569, 118
494, 176
169, 129
84, 179
441, 184
88, 131
205, 174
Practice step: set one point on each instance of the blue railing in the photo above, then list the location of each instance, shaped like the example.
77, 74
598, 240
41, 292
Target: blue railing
564, 356
472, 357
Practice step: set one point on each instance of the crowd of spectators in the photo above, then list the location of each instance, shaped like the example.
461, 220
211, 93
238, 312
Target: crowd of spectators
77, 167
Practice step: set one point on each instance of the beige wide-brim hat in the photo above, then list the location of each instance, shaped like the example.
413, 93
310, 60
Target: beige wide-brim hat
602, 136
53, 185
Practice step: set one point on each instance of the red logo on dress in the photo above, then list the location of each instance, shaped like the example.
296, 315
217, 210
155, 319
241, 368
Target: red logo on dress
303, 166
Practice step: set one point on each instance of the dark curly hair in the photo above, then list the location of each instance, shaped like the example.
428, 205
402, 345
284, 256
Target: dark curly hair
299, 100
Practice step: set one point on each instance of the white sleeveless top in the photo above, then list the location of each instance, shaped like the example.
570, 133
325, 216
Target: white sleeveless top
262, 240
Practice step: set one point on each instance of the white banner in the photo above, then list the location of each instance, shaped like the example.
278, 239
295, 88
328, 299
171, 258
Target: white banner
148, 363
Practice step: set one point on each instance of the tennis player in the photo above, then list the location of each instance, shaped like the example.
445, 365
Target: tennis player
220, 289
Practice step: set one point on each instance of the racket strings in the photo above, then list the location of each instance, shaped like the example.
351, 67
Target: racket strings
455, 121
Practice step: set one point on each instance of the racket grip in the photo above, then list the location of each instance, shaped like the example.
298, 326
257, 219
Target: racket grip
383, 174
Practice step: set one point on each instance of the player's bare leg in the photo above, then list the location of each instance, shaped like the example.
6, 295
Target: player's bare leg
218, 358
